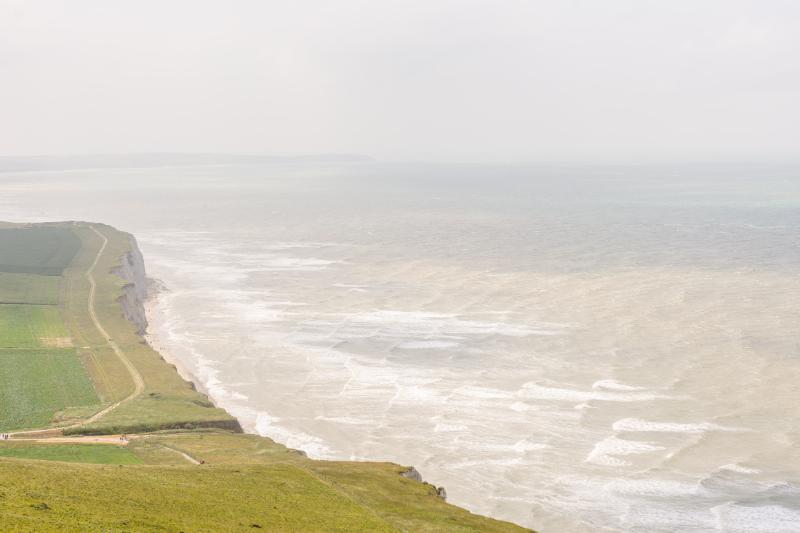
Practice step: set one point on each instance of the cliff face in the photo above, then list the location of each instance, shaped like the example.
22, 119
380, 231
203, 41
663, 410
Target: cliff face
135, 290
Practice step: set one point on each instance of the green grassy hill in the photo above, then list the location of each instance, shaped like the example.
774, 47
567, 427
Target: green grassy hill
244, 480
72, 364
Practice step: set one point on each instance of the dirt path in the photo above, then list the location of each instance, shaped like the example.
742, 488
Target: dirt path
89, 439
111, 440
136, 377
132, 370
184, 454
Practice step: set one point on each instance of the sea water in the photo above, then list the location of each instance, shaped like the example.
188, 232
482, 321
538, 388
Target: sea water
570, 348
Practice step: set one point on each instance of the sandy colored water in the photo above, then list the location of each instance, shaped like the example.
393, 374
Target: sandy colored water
572, 349
652, 394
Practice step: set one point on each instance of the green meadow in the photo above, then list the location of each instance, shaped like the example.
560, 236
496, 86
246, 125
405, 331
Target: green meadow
40, 249
18, 288
36, 383
32, 326
40, 370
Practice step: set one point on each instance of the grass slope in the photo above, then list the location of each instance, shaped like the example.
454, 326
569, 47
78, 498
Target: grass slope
69, 497
405, 504
73, 453
247, 481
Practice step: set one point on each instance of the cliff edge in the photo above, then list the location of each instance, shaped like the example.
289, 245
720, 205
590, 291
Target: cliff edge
134, 292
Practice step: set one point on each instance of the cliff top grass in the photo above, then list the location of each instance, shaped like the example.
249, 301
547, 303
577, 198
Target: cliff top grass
245, 480
166, 401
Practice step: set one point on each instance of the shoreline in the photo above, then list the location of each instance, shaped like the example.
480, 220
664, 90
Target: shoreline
150, 304
158, 340
155, 290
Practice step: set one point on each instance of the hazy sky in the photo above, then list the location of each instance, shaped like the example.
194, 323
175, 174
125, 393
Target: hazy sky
407, 79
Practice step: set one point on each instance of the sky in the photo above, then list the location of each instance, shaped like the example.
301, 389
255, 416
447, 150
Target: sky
435, 80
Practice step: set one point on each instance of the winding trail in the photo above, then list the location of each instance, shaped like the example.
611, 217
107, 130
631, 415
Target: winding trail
136, 377
132, 370
184, 454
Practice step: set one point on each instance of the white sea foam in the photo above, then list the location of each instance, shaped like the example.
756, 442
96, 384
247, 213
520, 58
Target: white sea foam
292, 245
254, 312
533, 390
757, 518
426, 345
610, 384
420, 395
652, 486
351, 287
348, 420
315, 447
486, 393
404, 324
604, 452
295, 264
488, 462
499, 445
638, 425
446, 428
739, 469
525, 445
521, 407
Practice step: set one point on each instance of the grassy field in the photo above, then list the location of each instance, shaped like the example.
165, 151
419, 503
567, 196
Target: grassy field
28, 288
40, 371
36, 383
72, 453
32, 326
41, 249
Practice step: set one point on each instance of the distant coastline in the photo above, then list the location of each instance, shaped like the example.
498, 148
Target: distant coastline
166, 159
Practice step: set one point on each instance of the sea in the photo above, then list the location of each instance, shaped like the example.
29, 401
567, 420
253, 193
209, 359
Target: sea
569, 347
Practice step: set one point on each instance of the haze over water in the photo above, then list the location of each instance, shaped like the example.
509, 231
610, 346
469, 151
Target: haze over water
569, 348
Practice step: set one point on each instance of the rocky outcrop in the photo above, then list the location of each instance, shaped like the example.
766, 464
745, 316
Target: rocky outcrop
134, 292
413, 474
